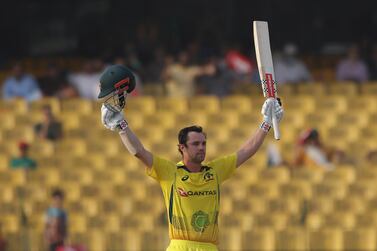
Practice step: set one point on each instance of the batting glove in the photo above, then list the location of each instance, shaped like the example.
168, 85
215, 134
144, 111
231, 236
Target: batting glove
112, 118
270, 105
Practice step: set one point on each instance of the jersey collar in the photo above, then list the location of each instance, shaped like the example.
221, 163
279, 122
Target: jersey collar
180, 164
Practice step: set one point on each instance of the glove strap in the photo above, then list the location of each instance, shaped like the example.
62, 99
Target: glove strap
265, 126
123, 124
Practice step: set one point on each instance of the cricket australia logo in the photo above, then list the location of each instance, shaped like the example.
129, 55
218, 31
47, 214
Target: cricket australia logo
208, 176
199, 221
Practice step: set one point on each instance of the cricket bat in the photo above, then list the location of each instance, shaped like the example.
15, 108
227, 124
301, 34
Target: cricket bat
265, 66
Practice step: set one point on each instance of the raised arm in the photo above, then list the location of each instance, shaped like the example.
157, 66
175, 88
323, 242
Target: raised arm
252, 144
114, 120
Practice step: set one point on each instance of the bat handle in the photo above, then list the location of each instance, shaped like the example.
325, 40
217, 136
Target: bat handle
275, 126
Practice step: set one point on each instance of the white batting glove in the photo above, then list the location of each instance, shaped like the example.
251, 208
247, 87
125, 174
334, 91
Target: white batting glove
270, 105
112, 118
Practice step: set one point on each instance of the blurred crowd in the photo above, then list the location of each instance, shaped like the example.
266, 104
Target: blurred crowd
191, 71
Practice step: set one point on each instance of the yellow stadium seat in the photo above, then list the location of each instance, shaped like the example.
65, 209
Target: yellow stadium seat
350, 204
173, 105
346, 88
72, 147
192, 118
321, 204
326, 239
346, 174
142, 105
36, 106
279, 175
363, 188
286, 90
285, 205
369, 88
313, 221
42, 148
236, 103
19, 134
225, 119
77, 223
98, 146
97, 240
296, 189
342, 134
207, 104
360, 239
332, 189
294, 239
230, 239
275, 220
14, 106
367, 219
313, 89
356, 119
334, 103
366, 103
308, 175
77, 105
10, 223
259, 239
304, 103
344, 220
160, 119
320, 120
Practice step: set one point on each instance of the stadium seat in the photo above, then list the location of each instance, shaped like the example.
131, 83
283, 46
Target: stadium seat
313, 89
308, 175
350, 204
275, 220
77, 223
207, 104
192, 118
279, 175
331, 189
142, 105
230, 239
77, 105
367, 219
259, 239
36, 106
285, 205
160, 119
297, 189
227, 120
313, 221
294, 239
363, 188
346, 174
326, 239
335, 103
14, 106
369, 88
303, 103
346, 88
236, 103
172, 105
343, 220
360, 239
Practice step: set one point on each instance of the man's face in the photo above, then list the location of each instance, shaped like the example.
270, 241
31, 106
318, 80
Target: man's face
195, 148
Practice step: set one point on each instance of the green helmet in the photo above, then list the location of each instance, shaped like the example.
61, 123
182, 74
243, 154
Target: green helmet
117, 80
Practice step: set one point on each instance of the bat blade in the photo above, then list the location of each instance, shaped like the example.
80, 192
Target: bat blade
265, 65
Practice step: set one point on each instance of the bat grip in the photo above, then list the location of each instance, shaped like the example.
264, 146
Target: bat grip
275, 126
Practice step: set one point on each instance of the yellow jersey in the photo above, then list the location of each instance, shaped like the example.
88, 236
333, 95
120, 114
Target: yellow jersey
193, 199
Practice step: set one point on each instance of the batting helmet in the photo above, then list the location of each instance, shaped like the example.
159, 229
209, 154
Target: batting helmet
117, 80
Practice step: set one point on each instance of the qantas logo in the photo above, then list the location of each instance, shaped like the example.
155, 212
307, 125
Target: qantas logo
183, 193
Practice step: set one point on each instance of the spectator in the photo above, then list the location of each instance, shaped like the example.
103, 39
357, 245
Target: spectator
352, 68
56, 222
180, 76
55, 83
288, 68
23, 161
220, 83
50, 128
313, 154
86, 81
21, 85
